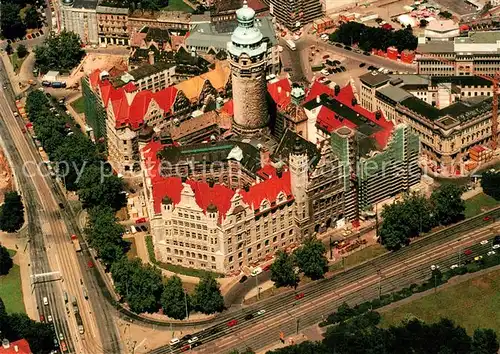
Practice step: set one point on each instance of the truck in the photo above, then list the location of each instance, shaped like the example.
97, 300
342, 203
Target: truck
291, 44
79, 323
58, 84
76, 243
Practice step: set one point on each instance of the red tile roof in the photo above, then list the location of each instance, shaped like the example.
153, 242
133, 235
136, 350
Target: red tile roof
326, 118
132, 114
219, 195
228, 107
278, 91
23, 347
318, 89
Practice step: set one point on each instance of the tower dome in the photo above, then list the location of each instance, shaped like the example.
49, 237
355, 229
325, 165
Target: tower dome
67, 2
245, 14
246, 34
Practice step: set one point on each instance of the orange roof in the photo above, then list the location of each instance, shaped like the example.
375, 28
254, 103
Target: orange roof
280, 92
228, 107
218, 77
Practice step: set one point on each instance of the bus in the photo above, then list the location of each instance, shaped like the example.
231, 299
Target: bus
291, 44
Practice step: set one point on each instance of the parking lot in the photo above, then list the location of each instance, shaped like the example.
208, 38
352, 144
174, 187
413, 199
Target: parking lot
459, 7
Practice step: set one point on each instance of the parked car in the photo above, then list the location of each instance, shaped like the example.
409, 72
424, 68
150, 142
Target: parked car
362, 65
42, 318
232, 323
260, 312
187, 337
299, 296
467, 252
49, 318
484, 242
243, 279
90, 264
266, 268
347, 48
174, 341
185, 348
487, 218
367, 54
192, 340
326, 56
453, 266
491, 253
496, 240
248, 317
478, 258
342, 68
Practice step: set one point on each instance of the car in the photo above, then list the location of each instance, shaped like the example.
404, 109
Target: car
42, 318
434, 267
362, 65
248, 317
321, 79
260, 312
487, 218
194, 345
496, 240
326, 56
185, 348
192, 340
337, 62
174, 341
483, 242
467, 252
49, 318
45, 301
256, 271
453, 266
347, 48
90, 264
232, 323
338, 45
327, 82
491, 253
299, 296
324, 72
478, 258
56, 342
367, 54
187, 337
495, 246
243, 279
266, 268
61, 336
371, 67
343, 68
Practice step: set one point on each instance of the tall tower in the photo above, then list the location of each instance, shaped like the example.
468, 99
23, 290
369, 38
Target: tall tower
299, 178
247, 53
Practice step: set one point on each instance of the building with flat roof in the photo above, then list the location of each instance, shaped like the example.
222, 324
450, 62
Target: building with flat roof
294, 14
441, 30
451, 114
152, 77
80, 16
176, 21
476, 53
112, 25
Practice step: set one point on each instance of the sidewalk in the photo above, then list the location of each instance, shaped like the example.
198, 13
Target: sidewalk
22, 260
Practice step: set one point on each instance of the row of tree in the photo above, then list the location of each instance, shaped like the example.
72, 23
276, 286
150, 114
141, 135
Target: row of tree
309, 259
362, 335
368, 38
11, 212
415, 215
59, 52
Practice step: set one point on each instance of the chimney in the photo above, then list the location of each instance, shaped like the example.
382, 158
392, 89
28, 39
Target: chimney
16, 349
265, 157
5, 343
151, 57
279, 89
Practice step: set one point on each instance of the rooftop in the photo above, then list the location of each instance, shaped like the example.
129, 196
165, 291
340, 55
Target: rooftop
112, 10
436, 47
288, 142
374, 79
20, 346
85, 4
394, 93
480, 37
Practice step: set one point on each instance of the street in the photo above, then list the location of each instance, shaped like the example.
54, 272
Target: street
51, 249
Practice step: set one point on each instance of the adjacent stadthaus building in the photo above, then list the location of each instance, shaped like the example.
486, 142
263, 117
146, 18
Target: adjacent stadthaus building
112, 23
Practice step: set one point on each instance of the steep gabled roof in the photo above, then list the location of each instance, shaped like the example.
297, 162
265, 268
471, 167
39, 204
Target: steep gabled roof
280, 92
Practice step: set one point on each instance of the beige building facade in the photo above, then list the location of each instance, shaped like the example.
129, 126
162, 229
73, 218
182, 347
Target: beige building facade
112, 25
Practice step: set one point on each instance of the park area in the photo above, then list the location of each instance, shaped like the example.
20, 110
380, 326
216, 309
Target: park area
471, 304
479, 204
178, 5
11, 289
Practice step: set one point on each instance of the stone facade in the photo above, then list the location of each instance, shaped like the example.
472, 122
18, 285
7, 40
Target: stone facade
112, 25
80, 17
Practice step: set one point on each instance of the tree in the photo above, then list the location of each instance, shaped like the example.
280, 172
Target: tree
448, 206
11, 25
446, 14
140, 285
105, 235
484, 341
207, 297
62, 52
282, 270
5, 261
8, 49
311, 258
174, 299
32, 18
490, 182
12, 212
22, 51
96, 186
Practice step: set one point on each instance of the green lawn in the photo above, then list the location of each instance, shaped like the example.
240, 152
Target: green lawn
478, 204
132, 252
16, 62
359, 256
471, 304
178, 5
11, 290
79, 105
